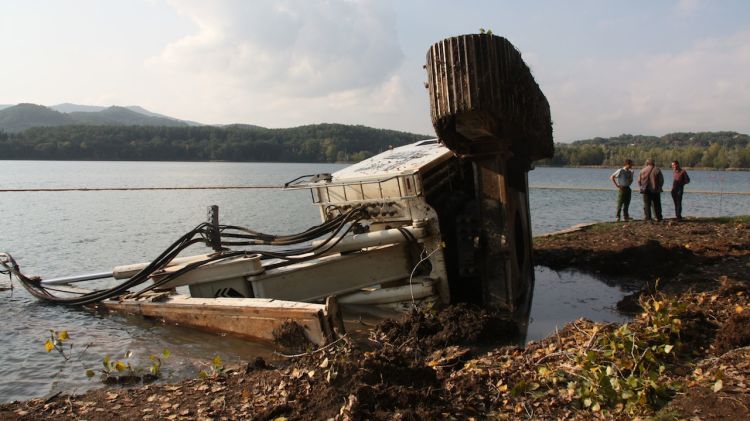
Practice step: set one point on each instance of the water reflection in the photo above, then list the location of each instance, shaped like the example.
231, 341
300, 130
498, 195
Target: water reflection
563, 296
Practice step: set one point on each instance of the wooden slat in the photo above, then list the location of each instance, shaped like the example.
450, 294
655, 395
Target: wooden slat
252, 318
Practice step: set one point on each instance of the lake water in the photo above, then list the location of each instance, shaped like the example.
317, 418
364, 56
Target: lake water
63, 233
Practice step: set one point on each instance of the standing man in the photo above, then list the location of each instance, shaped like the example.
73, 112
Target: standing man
679, 179
651, 181
622, 179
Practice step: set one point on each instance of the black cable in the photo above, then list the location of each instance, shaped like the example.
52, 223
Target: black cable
335, 227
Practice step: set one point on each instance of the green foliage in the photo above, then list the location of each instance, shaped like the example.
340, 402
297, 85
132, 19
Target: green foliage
156, 361
623, 369
718, 150
112, 370
56, 342
216, 369
314, 143
122, 371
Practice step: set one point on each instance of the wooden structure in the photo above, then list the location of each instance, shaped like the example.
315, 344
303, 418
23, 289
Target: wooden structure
484, 100
252, 318
487, 108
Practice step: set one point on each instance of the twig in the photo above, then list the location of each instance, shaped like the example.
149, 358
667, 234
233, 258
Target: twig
83, 351
51, 398
734, 400
551, 355
311, 352
530, 414
591, 340
635, 367
581, 330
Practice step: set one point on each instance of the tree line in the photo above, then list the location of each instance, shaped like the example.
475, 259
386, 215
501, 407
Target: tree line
719, 150
340, 143
313, 143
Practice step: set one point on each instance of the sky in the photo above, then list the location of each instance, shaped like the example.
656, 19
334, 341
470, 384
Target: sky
606, 67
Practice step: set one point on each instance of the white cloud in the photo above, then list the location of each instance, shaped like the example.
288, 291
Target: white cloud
688, 7
294, 47
284, 63
706, 87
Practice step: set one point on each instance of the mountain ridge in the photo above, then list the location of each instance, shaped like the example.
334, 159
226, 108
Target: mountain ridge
19, 117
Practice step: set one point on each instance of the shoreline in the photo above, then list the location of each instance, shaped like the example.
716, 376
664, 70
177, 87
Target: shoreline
432, 364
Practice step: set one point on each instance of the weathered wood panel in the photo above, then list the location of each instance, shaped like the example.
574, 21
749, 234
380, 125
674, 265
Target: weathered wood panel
484, 100
252, 318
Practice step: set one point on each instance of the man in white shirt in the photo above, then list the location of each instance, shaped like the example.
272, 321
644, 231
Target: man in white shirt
622, 179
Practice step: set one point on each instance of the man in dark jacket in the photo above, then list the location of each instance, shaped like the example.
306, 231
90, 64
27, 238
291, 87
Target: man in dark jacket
651, 182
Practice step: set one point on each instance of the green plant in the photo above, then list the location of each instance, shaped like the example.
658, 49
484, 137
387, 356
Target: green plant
112, 371
156, 361
122, 371
216, 369
623, 369
56, 342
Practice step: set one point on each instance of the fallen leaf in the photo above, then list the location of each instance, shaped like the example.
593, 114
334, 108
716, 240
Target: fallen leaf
717, 386
218, 402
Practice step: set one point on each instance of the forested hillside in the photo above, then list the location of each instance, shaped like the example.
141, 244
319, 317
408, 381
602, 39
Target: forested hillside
340, 143
719, 150
313, 143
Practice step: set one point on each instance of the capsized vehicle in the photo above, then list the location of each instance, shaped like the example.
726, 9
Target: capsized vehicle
435, 222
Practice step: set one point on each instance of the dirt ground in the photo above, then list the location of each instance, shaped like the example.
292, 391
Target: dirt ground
686, 355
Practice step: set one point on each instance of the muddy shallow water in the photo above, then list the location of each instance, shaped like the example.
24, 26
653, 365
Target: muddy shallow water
559, 297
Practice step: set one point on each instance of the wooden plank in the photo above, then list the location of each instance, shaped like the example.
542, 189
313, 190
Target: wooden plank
251, 318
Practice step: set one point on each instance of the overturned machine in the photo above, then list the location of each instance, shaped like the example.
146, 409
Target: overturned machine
435, 222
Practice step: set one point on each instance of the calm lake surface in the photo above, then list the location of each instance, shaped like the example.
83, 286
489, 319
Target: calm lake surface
63, 233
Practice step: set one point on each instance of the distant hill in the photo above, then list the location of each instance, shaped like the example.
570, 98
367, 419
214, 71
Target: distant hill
121, 116
24, 116
20, 117
311, 143
72, 108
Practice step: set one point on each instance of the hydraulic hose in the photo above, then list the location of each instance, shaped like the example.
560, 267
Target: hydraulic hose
334, 231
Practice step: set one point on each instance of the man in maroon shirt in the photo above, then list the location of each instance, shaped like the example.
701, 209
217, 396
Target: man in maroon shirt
679, 179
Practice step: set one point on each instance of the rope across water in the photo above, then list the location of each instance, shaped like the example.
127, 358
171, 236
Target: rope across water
280, 187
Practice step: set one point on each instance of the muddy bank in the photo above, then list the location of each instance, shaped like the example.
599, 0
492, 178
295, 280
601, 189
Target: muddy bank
693, 254
685, 355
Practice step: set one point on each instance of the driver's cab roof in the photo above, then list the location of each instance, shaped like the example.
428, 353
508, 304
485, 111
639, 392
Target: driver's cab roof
403, 160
